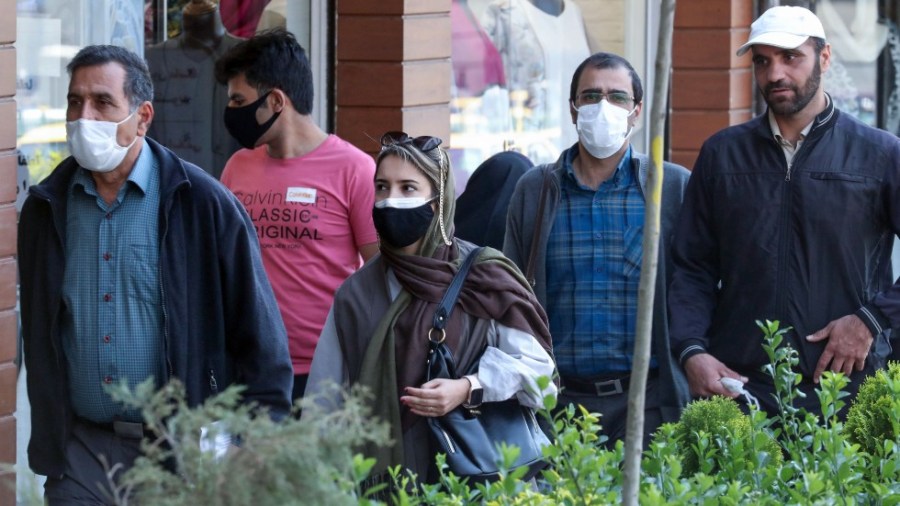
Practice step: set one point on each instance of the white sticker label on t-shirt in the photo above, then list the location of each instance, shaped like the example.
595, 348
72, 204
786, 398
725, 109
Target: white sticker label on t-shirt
300, 194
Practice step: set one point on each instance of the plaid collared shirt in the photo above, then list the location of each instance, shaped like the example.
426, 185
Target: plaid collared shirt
112, 320
594, 258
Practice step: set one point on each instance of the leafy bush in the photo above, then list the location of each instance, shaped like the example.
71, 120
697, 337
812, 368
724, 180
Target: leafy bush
714, 455
706, 433
288, 462
874, 416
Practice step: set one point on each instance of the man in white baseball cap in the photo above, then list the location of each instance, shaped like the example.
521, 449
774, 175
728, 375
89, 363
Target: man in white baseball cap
786, 27
790, 217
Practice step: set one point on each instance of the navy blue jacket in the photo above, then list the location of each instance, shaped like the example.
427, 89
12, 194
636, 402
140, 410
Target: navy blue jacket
221, 321
803, 244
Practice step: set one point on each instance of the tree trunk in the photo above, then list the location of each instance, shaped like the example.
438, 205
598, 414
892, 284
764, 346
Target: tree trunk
646, 289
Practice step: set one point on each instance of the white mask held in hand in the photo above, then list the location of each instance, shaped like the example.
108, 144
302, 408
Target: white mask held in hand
602, 128
737, 386
93, 143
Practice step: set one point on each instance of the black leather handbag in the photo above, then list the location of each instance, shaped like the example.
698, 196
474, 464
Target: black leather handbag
470, 438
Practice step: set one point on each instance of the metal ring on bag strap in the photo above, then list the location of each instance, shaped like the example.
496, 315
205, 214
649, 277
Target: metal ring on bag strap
443, 335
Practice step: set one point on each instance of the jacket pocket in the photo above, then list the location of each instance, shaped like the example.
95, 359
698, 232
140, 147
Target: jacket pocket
844, 204
838, 176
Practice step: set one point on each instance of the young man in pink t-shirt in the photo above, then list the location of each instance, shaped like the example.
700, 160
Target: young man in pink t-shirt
310, 194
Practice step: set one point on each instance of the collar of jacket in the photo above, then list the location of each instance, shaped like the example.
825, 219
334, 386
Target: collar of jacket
821, 123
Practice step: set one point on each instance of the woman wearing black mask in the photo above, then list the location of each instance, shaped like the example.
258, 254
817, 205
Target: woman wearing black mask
377, 331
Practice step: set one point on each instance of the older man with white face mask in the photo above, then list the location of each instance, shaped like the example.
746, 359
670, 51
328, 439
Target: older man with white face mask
789, 217
576, 226
134, 265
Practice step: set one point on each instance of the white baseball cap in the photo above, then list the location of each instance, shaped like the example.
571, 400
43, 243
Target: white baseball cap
784, 26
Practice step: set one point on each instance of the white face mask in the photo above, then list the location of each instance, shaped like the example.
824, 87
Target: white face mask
93, 143
603, 128
403, 202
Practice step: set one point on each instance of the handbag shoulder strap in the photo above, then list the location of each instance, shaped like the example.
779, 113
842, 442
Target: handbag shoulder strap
446, 306
538, 225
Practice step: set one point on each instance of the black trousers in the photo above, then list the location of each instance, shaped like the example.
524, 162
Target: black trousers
608, 396
300, 381
90, 453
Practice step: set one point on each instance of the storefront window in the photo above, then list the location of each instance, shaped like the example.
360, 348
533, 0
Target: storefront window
512, 68
48, 34
180, 39
857, 39
188, 101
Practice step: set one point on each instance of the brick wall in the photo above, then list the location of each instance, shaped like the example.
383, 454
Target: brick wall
393, 69
8, 320
711, 87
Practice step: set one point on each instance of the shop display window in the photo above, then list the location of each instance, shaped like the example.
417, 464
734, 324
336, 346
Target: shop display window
50, 33
512, 67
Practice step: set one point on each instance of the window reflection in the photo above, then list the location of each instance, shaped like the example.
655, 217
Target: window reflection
857, 37
512, 72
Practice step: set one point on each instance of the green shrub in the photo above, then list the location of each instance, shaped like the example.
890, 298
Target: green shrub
714, 455
307, 461
706, 431
873, 415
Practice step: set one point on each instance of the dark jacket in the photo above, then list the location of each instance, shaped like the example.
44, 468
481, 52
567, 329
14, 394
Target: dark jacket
520, 232
221, 321
804, 245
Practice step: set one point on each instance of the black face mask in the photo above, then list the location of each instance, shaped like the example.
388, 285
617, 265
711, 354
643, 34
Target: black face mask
402, 227
241, 123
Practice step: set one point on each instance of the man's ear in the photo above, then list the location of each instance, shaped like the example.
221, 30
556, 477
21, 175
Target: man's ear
145, 117
825, 57
574, 112
278, 100
637, 113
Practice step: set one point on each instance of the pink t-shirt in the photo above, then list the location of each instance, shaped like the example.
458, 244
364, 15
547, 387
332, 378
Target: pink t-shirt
311, 214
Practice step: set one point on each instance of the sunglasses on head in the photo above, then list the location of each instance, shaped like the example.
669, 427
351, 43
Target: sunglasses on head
423, 143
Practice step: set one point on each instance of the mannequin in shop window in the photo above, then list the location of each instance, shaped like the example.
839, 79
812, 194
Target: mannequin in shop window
480, 99
477, 64
189, 102
539, 60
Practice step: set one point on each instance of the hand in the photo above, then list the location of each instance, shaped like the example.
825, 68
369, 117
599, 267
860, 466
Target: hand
848, 345
703, 374
437, 397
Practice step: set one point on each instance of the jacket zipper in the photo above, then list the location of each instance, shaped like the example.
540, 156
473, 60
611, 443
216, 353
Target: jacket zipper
67, 427
786, 204
784, 225
213, 384
162, 296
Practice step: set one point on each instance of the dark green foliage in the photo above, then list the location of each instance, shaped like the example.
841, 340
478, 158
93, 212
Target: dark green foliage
289, 462
708, 428
714, 455
873, 416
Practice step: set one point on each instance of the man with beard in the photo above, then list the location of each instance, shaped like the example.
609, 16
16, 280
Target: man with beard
790, 217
